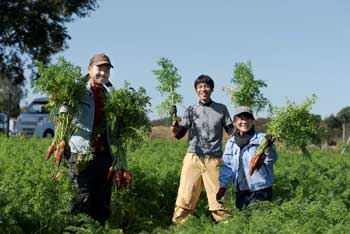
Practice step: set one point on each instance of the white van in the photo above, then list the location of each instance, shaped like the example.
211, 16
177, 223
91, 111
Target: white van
35, 121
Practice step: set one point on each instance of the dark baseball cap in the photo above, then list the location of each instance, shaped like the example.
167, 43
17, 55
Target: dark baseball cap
99, 59
244, 110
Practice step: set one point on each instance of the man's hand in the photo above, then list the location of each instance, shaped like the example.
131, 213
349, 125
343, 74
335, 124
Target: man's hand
174, 129
173, 114
220, 193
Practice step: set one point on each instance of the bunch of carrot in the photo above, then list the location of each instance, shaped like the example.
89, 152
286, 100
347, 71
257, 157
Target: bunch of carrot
59, 146
122, 178
65, 86
126, 110
294, 126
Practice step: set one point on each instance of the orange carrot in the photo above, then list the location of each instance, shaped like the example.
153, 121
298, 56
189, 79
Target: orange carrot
118, 179
59, 152
127, 179
50, 151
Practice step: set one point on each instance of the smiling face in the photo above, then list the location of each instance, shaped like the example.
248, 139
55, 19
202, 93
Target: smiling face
99, 74
204, 92
243, 123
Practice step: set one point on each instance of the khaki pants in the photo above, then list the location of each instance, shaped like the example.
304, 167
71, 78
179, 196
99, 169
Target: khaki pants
197, 171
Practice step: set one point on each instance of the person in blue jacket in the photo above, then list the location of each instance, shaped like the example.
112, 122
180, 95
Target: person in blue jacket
239, 152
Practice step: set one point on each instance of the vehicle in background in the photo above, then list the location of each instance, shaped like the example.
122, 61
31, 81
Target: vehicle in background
35, 121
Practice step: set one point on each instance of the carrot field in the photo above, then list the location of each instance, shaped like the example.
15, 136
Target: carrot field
310, 195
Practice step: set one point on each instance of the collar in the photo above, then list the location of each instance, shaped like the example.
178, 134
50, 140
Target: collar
254, 140
206, 104
89, 89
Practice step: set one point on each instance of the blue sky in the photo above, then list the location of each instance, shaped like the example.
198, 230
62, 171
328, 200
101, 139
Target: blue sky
298, 48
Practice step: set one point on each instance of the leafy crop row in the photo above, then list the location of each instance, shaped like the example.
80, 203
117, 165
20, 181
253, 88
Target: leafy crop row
310, 196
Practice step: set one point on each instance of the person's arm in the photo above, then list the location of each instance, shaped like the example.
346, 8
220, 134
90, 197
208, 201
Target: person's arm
227, 122
179, 130
268, 157
226, 173
229, 129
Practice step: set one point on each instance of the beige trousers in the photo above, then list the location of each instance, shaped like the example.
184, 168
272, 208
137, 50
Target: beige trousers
196, 172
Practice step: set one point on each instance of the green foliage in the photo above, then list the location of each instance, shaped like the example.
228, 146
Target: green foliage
127, 111
332, 122
344, 115
31, 31
83, 224
63, 83
248, 91
169, 81
156, 168
308, 196
30, 201
65, 86
295, 125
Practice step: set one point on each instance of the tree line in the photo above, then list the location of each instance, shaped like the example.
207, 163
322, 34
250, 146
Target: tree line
32, 31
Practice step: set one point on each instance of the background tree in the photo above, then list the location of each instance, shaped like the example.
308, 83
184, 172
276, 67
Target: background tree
332, 128
10, 94
30, 31
332, 122
248, 91
344, 117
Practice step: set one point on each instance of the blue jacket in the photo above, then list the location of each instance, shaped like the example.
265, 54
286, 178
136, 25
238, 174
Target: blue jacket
84, 123
236, 162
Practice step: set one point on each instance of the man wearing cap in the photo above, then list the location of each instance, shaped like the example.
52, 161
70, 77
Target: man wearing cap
205, 122
239, 152
91, 154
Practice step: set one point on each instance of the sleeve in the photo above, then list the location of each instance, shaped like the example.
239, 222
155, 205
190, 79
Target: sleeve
227, 121
226, 173
229, 129
186, 121
185, 124
181, 133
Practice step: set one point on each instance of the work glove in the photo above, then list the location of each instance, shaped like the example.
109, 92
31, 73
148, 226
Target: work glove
269, 140
220, 193
63, 109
